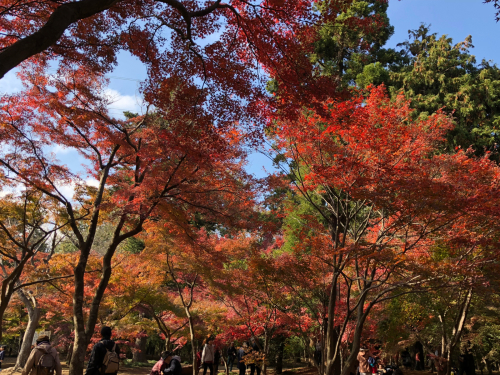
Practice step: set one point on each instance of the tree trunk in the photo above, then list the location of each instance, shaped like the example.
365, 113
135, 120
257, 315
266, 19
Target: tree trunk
332, 365
80, 344
8, 286
85, 329
139, 355
193, 343
266, 352
356, 340
279, 354
489, 366
330, 356
167, 342
450, 343
33, 319
70, 353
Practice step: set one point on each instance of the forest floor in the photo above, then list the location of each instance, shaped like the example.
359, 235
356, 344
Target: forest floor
295, 369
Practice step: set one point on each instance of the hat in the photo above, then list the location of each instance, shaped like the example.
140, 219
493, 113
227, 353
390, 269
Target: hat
42, 338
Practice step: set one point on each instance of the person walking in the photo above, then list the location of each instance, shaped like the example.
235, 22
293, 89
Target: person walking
198, 360
208, 356
43, 359
231, 356
256, 355
467, 364
318, 350
364, 366
241, 358
418, 362
216, 360
105, 355
372, 361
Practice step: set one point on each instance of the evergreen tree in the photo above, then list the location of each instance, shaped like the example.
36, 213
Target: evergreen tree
437, 74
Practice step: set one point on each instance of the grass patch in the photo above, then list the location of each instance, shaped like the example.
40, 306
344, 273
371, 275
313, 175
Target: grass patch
131, 363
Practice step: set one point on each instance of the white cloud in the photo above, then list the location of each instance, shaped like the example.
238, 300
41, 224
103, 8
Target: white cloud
10, 84
61, 150
121, 103
67, 189
92, 182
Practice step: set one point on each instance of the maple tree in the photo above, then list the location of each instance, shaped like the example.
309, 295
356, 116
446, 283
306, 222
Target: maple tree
27, 230
369, 211
148, 163
368, 171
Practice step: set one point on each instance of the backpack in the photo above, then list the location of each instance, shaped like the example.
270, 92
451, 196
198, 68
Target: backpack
372, 361
46, 364
111, 362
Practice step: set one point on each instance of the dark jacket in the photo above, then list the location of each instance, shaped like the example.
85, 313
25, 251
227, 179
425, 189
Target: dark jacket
231, 352
175, 367
241, 354
97, 356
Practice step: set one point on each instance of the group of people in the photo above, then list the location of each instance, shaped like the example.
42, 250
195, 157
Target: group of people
248, 356
44, 359
104, 358
369, 362
208, 357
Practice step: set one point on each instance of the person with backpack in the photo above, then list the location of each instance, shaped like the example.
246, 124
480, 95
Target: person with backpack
372, 362
43, 359
105, 356
208, 356
174, 364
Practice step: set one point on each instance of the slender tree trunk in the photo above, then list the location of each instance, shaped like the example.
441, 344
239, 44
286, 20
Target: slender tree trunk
454, 339
279, 354
356, 340
193, 343
489, 366
140, 354
80, 344
84, 329
33, 319
333, 364
330, 356
167, 342
8, 284
266, 352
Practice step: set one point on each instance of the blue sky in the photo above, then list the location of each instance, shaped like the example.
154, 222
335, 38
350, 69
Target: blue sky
456, 18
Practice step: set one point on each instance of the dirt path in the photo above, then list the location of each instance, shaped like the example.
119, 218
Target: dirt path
8, 367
